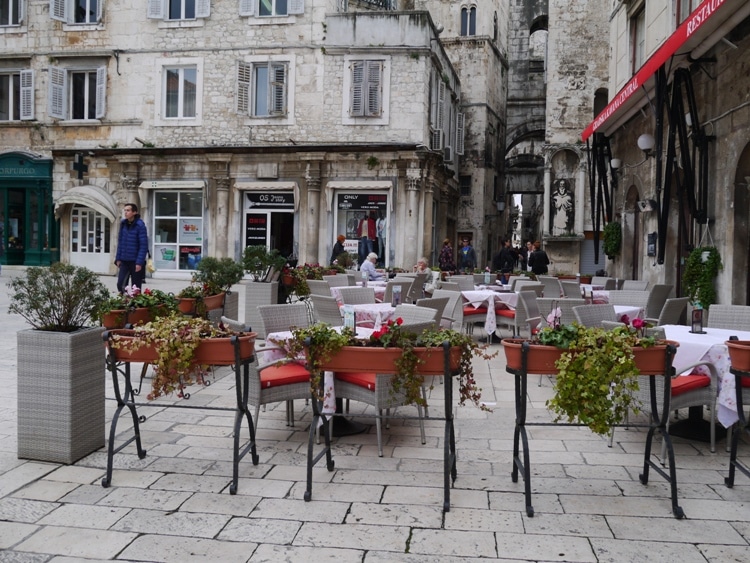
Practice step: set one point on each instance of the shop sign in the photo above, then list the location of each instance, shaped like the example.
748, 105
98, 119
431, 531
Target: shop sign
256, 229
269, 200
359, 202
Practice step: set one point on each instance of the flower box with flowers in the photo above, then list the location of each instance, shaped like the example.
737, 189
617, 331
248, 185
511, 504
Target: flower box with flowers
135, 307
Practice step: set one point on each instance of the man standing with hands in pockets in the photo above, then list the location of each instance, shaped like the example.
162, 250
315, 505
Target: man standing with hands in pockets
132, 247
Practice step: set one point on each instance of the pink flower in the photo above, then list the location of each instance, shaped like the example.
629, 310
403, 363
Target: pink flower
638, 323
554, 317
625, 320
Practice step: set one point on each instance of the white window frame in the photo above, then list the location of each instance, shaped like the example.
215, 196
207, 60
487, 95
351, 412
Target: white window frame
638, 38
59, 98
20, 6
159, 10
353, 63
246, 89
160, 67
64, 11
26, 94
252, 8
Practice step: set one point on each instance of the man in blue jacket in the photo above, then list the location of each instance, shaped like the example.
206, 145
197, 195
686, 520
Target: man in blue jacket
132, 247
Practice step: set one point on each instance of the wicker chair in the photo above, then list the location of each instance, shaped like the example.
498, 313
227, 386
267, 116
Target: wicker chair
416, 291
319, 287
437, 303
357, 295
729, 316
593, 315
656, 299
326, 310
479, 278
565, 305
552, 286
636, 298
521, 283
453, 316
465, 283
611, 284
672, 313
403, 284
339, 280
571, 289
600, 281
412, 314
449, 286
634, 285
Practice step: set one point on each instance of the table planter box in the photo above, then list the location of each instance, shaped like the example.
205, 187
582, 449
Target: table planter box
60, 394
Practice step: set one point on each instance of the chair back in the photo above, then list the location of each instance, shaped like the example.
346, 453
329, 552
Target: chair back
417, 287
526, 285
674, 311
278, 318
528, 310
600, 280
411, 314
357, 295
326, 310
418, 328
465, 283
449, 286
565, 305
337, 280
637, 285
404, 284
729, 316
656, 299
479, 278
610, 284
552, 286
233, 324
319, 287
437, 303
629, 297
453, 315
571, 288
593, 315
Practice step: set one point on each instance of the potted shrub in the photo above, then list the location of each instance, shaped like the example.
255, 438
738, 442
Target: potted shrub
135, 307
60, 384
701, 268
217, 276
263, 267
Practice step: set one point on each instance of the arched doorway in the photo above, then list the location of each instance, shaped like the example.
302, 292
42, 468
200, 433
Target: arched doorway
741, 270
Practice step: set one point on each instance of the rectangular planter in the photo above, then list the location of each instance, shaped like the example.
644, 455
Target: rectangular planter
61, 378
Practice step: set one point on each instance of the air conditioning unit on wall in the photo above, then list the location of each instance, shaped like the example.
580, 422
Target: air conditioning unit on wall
448, 153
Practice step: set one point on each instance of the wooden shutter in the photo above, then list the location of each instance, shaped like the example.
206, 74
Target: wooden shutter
155, 9
57, 10
374, 88
244, 79
358, 79
202, 8
460, 133
101, 91
247, 7
27, 94
21, 11
58, 81
441, 106
296, 7
277, 77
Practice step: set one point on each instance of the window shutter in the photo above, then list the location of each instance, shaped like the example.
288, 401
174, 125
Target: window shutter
155, 9
374, 73
27, 94
460, 133
57, 10
101, 91
58, 79
296, 7
202, 8
244, 79
21, 11
277, 105
358, 76
99, 10
247, 7
441, 106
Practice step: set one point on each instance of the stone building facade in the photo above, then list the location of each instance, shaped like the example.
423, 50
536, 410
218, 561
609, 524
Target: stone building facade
229, 125
679, 79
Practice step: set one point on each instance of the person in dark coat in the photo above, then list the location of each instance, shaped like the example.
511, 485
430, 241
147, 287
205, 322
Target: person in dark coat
132, 248
338, 248
467, 258
538, 260
505, 260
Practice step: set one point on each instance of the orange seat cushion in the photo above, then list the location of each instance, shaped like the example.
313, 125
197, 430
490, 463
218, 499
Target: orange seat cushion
283, 374
745, 381
506, 313
687, 383
470, 310
366, 380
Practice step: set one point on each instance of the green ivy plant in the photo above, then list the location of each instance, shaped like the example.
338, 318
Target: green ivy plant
612, 236
698, 276
597, 377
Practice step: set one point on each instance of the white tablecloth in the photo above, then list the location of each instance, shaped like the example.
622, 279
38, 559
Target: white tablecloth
709, 347
490, 299
375, 313
631, 312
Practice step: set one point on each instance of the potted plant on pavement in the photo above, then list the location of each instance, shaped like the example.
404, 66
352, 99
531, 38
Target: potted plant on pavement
135, 306
217, 276
60, 384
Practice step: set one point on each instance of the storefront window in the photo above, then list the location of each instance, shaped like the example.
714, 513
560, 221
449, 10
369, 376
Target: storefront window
177, 232
351, 209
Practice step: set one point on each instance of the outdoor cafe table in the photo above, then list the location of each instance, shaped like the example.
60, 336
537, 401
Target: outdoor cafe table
709, 347
375, 313
492, 299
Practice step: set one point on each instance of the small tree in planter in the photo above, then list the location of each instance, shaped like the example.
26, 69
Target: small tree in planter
60, 384
218, 275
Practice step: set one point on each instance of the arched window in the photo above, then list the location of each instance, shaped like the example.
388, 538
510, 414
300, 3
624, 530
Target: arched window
468, 21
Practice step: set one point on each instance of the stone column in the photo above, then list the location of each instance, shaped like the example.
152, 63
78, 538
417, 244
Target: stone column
410, 239
218, 242
580, 200
546, 209
427, 204
314, 250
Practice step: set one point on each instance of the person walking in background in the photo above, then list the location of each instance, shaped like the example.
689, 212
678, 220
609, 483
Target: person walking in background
467, 257
504, 260
445, 259
132, 248
338, 248
538, 260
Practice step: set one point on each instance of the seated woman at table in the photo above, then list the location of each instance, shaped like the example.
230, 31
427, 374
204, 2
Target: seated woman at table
369, 266
421, 266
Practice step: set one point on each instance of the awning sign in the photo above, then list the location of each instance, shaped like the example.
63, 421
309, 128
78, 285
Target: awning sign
358, 202
269, 200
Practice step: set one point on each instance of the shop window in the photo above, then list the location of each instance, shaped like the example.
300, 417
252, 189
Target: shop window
271, 8
77, 94
177, 231
89, 231
76, 11
12, 12
468, 21
17, 95
262, 88
172, 10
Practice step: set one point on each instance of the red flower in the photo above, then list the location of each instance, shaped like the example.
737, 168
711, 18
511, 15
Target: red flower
399, 321
625, 320
639, 323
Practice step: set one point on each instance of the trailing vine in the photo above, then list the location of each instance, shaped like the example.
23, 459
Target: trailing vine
698, 277
612, 235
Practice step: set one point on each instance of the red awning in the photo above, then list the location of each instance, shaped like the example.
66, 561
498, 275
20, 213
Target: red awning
708, 23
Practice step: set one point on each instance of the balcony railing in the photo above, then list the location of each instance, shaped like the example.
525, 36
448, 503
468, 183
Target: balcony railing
343, 5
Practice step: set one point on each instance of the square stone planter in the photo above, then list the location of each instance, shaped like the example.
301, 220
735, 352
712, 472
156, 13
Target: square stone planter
61, 377
258, 293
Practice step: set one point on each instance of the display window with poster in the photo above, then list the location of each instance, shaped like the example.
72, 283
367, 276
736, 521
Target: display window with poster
361, 212
177, 233
269, 220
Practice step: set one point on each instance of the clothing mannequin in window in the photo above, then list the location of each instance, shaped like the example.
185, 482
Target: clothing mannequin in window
367, 233
382, 229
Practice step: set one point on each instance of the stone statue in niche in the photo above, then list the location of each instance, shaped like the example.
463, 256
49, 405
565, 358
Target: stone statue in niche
562, 212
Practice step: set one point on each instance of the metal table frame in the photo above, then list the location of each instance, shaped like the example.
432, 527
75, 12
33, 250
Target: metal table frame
125, 398
449, 447
742, 425
658, 421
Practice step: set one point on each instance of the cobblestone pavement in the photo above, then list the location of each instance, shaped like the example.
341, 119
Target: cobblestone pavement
174, 504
